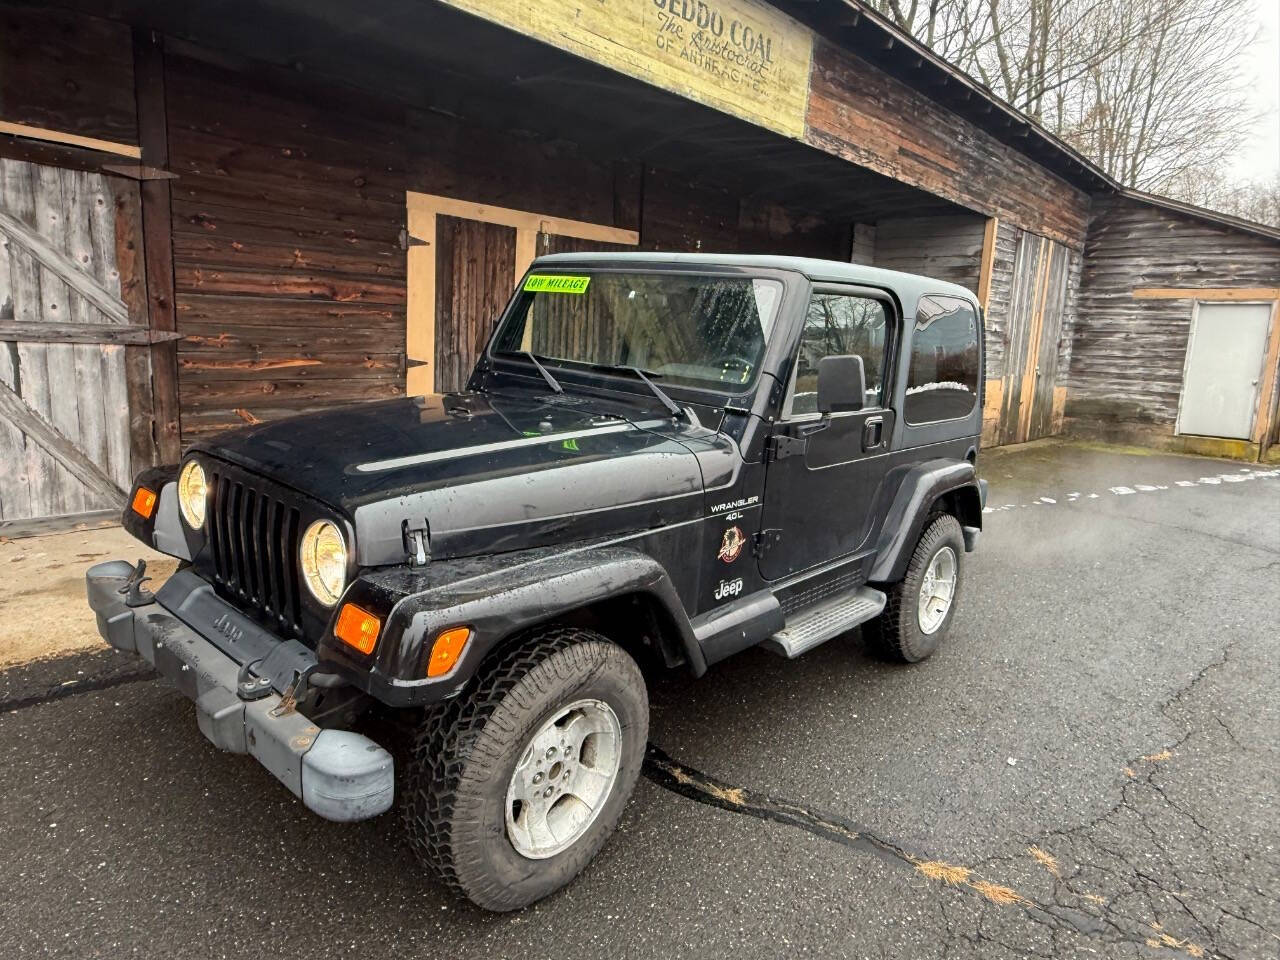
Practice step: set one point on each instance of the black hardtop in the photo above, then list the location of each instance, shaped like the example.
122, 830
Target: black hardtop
908, 287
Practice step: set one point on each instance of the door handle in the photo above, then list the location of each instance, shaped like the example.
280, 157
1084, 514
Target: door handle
872, 432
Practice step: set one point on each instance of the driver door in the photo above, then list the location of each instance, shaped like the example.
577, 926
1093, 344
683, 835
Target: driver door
824, 469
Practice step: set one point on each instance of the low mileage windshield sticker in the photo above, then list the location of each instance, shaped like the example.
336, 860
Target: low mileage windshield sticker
555, 283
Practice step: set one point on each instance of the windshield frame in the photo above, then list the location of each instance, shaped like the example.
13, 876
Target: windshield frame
585, 374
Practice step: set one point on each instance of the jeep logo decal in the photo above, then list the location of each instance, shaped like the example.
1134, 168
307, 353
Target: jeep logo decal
728, 588
731, 545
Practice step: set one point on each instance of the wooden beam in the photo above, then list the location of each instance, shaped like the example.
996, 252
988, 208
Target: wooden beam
70, 139
988, 261
157, 237
47, 437
24, 332
43, 526
487, 213
59, 263
1207, 293
1268, 395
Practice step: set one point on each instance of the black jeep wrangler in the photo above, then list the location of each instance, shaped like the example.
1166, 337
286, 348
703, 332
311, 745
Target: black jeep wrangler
659, 459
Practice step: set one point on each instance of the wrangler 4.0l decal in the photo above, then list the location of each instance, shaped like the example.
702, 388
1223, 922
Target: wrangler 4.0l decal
735, 504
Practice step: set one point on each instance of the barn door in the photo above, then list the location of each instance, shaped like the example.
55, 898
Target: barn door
475, 271
1031, 405
71, 349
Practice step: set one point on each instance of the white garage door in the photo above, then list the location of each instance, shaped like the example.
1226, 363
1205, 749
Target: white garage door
1224, 368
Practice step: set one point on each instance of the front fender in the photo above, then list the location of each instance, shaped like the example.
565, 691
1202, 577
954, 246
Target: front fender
496, 597
904, 522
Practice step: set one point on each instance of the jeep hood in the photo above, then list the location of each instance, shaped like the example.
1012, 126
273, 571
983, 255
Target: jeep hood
483, 473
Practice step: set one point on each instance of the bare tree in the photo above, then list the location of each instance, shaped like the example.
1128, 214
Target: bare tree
1151, 90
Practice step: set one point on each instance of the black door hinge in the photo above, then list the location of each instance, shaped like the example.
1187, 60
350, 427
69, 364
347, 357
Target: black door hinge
764, 540
780, 445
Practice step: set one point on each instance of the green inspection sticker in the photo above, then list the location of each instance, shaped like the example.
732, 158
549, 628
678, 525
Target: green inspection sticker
555, 283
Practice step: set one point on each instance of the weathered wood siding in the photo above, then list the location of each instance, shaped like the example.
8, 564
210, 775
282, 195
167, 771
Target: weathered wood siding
289, 275
948, 248
1128, 354
63, 71
997, 316
65, 427
868, 117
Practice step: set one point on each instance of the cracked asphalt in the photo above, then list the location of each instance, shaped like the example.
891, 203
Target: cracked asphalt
1088, 769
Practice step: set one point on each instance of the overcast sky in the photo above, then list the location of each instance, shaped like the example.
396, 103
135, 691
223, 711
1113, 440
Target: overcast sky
1260, 156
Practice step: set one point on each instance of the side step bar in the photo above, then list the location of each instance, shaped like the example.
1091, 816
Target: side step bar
815, 626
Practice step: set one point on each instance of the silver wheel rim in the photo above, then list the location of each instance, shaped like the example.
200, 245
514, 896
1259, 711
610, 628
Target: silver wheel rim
564, 778
937, 591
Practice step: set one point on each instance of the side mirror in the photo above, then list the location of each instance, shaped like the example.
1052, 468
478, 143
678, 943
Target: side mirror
842, 384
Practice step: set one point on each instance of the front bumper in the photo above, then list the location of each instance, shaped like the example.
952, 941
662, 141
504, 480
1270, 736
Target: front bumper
337, 774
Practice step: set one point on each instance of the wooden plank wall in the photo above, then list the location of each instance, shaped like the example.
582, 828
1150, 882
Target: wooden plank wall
288, 272
287, 213
997, 318
948, 248
680, 214
64, 71
864, 115
1128, 354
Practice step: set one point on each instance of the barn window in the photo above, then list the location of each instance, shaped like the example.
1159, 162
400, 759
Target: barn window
943, 381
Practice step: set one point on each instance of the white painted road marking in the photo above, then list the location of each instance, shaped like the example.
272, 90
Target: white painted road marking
1245, 474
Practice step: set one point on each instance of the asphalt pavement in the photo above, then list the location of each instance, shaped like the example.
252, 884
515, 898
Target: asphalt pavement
1088, 768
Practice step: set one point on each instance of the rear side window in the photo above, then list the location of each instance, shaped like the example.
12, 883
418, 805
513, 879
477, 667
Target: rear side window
838, 324
942, 383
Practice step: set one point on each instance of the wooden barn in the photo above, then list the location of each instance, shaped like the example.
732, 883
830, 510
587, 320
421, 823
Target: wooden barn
220, 213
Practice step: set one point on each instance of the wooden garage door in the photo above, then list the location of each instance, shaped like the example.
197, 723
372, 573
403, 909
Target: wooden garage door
1031, 395
74, 368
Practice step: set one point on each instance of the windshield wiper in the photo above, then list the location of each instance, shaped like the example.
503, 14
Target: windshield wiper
672, 407
552, 382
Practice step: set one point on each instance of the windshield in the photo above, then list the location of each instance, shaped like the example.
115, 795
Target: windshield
705, 331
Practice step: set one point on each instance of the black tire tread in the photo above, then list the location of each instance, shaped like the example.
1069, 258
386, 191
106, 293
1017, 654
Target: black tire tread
462, 739
890, 632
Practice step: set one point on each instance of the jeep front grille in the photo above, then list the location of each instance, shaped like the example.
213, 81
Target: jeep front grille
253, 538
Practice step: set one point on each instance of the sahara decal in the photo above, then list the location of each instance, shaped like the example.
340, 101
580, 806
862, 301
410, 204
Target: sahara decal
732, 544
735, 504
728, 588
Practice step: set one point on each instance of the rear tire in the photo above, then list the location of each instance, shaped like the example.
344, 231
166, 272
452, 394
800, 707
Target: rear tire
911, 628
464, 764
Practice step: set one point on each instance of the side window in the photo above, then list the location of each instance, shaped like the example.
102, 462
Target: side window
942, 383
837, 324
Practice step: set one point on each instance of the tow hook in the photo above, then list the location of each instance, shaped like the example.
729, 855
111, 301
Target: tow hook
135, 595
250, 687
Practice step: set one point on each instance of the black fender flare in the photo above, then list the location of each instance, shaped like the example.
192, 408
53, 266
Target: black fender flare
497, 599
921, 487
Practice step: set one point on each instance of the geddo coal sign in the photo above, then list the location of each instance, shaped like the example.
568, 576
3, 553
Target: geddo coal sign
739, 56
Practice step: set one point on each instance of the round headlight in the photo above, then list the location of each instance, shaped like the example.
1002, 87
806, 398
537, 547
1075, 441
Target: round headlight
324, 561
193, 494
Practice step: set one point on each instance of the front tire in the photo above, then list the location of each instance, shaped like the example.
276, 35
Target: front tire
517, 784
919, 608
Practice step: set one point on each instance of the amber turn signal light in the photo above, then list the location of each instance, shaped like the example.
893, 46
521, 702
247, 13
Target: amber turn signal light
446, 650
357, 628
144, 502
